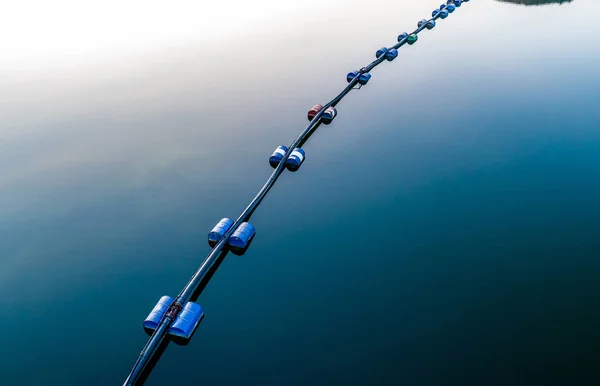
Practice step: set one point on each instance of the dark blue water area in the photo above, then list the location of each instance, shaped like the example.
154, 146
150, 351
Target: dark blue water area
444, 230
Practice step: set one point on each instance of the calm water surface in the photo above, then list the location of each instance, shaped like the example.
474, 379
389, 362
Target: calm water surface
443, 231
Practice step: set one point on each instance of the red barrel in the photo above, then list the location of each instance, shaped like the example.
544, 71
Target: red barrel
312, 113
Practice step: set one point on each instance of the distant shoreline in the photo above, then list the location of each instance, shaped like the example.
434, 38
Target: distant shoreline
535, 2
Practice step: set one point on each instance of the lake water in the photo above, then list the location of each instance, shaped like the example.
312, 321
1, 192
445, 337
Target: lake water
444, 230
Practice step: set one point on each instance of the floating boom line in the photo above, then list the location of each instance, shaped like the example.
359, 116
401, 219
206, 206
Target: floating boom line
177, 319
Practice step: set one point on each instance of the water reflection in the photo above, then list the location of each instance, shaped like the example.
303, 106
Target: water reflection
535, 2
486, 178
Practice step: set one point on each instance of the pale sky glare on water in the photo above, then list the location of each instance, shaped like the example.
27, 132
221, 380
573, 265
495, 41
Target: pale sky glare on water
37, 34
443, 230
54, 31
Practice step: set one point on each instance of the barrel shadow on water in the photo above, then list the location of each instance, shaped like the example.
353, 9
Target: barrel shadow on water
239, 251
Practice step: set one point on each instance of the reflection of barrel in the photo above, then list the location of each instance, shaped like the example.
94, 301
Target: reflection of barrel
217, 233
241, 238
156, 314
277, 156
184, 326
329, 115
312, 113
295, 159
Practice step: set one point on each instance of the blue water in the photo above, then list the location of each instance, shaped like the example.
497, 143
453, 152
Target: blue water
442, 231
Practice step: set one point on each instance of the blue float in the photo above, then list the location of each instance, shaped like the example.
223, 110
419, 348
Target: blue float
352, 75
451, 8
435, 12
443, 14
277, 156
157, 314
364, 78
381, 51
391, 54
458, 3
421, 23
402, 36
295, 159
430, 24
185, 324
217, 233
328, 115
241, 238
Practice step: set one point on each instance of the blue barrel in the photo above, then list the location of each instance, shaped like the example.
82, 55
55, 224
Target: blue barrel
391, 54
277, 156
217, 233
458, 3
351, 75
329, 115
243, 235
443, 14
451, 8
186, 323
443, 6
421, 23
156, 314
435, 12
430, 24
381, 51
364, 78
402, 36
295, 159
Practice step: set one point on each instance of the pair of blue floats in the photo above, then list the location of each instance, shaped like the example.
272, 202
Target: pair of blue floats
239, 241
292, 163
185, 324
363, 78
187, 321
390, 53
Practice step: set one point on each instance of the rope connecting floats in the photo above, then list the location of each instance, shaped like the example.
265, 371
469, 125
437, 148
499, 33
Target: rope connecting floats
177, 319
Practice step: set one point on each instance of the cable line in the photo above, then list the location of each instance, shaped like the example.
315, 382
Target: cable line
177, 319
